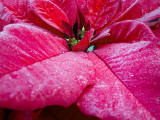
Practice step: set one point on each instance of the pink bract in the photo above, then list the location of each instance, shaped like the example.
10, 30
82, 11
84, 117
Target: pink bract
119, 80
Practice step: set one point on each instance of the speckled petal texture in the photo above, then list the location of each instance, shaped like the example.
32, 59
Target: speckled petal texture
111, 100
136, 64
129, 88
23, 44
21, 11
55, 81
119, 80
31, 77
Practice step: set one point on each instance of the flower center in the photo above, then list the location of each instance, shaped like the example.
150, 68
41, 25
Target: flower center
73, 41
82, 32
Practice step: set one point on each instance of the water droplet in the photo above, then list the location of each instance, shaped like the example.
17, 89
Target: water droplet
155, 83
158, 99
19, 10
80, 77
83, 82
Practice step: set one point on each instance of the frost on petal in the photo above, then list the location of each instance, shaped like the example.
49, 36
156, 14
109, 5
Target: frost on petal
132, 56
137, 66
112, 101
4, 14
23, 44
55, 81
110, 98
18, 9
98, 12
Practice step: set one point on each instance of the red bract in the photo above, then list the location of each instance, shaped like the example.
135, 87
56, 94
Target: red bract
152, 20
118, 80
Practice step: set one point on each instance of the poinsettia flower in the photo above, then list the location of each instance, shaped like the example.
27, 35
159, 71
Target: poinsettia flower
118, 80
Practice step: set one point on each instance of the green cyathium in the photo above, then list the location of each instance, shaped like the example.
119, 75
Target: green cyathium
73, 41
